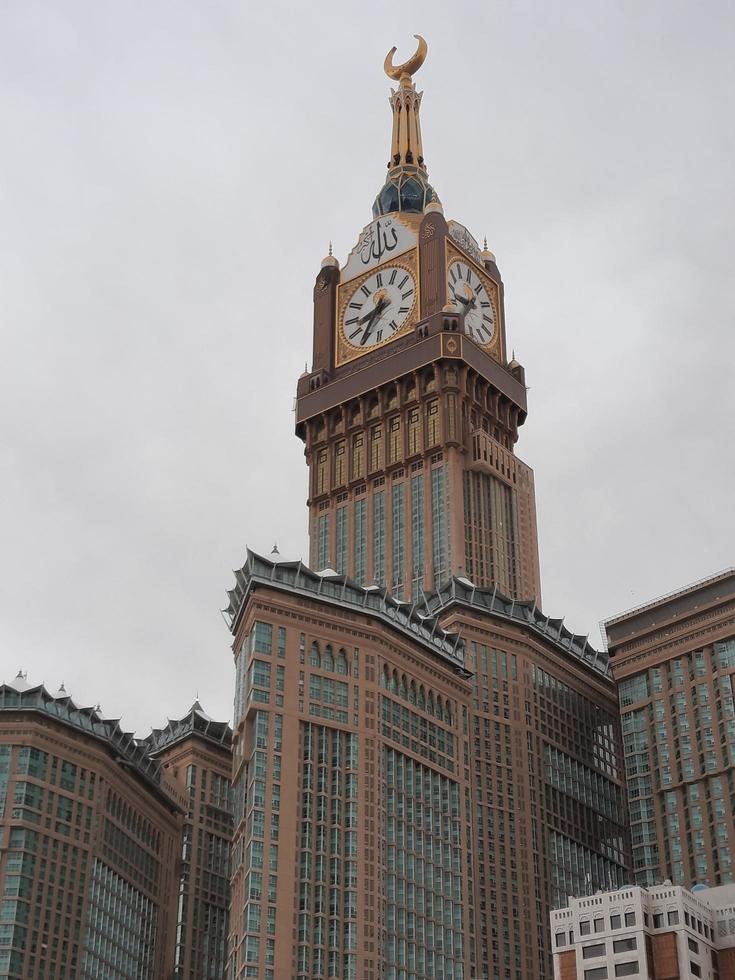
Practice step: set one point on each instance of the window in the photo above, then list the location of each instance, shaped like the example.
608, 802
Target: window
379, 537
399, 542
394, 440
600, 924
673, 917
593, 950
615, 921
584, 927
341, 541
323, 542
627, 969
360, 547
432, 418
693, 945
630, 918
561, 939
438, 523
263, 638
658, 920
625, 945
358, 458
321, 472
339, 464
417, 532
414, 432
695, 968
376, 447
599, 973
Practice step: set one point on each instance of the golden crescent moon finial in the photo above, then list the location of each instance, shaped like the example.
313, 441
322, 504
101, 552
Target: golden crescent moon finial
410, 67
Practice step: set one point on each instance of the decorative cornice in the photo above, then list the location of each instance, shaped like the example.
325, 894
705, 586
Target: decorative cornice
126, 750
412, 620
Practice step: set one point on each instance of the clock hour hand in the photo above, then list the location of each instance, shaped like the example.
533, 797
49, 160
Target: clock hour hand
370, 317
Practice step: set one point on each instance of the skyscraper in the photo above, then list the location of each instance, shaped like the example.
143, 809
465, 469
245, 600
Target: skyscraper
412, 408
424, 762
89, 844
674, 661
195, 752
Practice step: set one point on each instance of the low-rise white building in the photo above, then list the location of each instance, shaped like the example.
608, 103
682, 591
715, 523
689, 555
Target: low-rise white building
661, 933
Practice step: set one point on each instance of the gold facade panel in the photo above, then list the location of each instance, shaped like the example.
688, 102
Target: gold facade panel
345, 351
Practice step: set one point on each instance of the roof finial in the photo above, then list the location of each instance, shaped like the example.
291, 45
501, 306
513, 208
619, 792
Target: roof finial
275, 550
485, 245
330, 246
402, 73
406, 144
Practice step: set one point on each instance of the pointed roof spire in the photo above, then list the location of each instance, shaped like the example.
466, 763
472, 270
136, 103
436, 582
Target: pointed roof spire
407, 187
406, 144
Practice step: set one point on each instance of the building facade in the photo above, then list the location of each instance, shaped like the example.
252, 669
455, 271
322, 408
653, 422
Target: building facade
89, 844
661, 933
674, 662
409, 802
412, 408
195, 752
424, 763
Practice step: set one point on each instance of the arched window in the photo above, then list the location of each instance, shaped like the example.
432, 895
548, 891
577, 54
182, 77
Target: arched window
314, 659
342, 663
327, 659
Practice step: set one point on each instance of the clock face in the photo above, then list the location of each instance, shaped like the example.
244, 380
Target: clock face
378, 307
469, 297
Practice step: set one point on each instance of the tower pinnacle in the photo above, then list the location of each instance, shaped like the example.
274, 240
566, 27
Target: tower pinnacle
406, 188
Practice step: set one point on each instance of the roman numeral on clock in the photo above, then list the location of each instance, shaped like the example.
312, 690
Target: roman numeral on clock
355, 306
365, 290
403, 282
406, 294
379, 279
404, 309
393, 277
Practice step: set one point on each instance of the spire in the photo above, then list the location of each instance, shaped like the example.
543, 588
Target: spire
406, 188
406, 146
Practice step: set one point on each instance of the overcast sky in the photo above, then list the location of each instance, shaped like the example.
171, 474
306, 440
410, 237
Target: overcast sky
171, 174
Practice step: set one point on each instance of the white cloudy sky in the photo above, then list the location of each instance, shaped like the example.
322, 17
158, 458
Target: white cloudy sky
170, 176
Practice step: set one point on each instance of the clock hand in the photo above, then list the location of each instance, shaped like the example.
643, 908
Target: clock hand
373, 315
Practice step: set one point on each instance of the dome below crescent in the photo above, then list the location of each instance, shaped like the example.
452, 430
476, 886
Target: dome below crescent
406, 189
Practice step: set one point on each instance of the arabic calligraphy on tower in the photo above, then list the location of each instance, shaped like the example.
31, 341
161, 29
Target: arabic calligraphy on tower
382, 239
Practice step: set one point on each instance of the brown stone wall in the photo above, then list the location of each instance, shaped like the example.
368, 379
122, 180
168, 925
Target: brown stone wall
726, 959
665, 956
568, 965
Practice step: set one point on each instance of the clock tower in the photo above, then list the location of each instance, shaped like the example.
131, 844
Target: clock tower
410, 413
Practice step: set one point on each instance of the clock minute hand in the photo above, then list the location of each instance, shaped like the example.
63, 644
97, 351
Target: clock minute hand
371, 317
